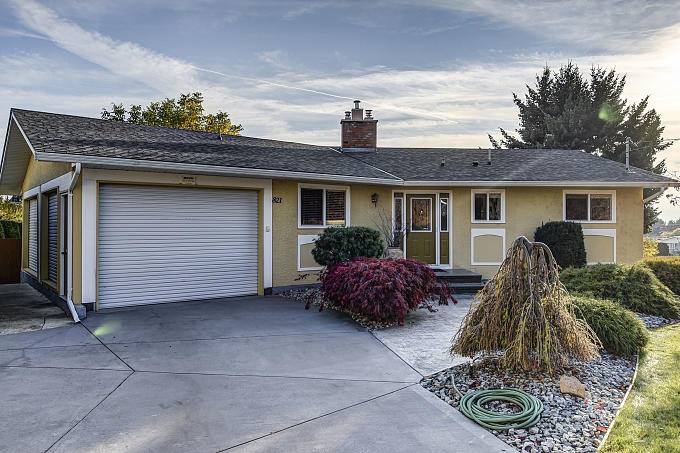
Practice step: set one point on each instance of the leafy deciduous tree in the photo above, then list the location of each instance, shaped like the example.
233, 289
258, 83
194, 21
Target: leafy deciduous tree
184, 113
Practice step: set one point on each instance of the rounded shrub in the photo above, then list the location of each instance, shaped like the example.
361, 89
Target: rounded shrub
339, 244
666, 269
382, 289
635, 287
565, 240
619, 330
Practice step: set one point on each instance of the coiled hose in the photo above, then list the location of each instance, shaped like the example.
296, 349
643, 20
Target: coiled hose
471, 405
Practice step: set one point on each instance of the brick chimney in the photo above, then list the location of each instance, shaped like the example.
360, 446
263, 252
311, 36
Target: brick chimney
359, 132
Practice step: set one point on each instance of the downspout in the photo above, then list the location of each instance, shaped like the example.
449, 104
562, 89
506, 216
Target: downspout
655, 195
69, 292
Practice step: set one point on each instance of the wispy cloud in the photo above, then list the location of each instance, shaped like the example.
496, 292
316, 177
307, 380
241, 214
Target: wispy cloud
615, 25
450, 105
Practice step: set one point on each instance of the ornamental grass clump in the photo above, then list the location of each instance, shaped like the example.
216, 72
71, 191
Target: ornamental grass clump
524, 313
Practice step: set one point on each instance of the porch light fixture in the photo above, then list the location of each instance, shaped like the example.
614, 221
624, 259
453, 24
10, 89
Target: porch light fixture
374, 199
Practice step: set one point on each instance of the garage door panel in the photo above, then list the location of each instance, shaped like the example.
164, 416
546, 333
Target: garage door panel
167, 244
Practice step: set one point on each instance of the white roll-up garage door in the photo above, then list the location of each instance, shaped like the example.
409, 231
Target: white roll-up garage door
52, 235
169, 244
33, 234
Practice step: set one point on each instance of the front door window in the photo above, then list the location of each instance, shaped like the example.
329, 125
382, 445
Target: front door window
421, 214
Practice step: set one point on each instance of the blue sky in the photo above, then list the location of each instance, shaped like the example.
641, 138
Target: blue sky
440, 73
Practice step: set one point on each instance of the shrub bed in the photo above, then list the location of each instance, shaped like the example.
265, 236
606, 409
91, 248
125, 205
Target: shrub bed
339, 244
619, 330
565, 240
381, 289
635, 287
666, 269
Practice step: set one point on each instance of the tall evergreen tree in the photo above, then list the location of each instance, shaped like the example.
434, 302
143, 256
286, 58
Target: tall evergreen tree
183, 113
569, 110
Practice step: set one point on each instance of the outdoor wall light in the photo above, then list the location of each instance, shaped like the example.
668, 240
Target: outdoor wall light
374, 199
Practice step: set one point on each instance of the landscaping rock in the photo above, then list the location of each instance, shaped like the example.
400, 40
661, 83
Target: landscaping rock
654, 322
568, 423
572, 386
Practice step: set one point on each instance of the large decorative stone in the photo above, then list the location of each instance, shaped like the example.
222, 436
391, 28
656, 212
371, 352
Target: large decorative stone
572, 386
394, 252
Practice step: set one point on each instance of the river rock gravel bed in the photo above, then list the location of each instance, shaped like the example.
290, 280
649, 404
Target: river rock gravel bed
568, 423
654, 322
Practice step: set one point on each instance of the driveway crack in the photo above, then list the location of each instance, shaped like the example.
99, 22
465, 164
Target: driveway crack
316, 418
90, 411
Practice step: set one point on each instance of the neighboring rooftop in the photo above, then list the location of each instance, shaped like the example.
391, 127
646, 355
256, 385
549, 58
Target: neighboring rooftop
111, 143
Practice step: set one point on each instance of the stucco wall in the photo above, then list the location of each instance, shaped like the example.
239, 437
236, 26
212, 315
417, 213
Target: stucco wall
285, 225
39, 172
526, 209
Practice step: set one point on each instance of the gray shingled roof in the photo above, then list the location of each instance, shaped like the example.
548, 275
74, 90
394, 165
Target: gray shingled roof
536, 165
80, 136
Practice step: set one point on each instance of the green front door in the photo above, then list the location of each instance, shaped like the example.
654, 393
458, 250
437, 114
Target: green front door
421, 228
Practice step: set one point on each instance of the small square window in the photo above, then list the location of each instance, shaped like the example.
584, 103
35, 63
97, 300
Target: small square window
601, 207
488, 207
589, 207
335, 207
576, 206
494, 206
322, 207
311, 206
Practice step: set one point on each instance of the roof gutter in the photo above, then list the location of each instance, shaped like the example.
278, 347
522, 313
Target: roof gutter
149, 165
69, 292
650, 184
114, 162
655, 195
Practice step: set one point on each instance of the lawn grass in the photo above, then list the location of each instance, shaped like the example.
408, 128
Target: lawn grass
650, 420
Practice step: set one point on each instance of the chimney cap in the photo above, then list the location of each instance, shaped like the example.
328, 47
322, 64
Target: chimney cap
356, 104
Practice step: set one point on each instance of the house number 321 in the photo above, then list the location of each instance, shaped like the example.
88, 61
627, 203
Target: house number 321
277, 200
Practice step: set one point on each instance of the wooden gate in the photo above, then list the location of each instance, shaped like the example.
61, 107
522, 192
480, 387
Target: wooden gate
10, 260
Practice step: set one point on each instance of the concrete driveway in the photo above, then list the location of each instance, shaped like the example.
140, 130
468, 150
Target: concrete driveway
248, 375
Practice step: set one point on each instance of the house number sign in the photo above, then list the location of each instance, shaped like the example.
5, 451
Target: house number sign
277, 200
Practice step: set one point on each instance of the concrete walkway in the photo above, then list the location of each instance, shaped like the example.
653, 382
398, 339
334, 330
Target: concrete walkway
248, 375
23, 309
425, 338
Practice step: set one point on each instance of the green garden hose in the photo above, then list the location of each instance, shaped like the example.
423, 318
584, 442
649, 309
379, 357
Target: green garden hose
472, 406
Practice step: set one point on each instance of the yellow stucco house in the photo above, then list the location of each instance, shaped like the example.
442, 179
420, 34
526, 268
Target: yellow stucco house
118, 214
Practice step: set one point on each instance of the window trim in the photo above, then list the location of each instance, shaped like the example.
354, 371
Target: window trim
474, 192
323, 187
589, 193
410, 206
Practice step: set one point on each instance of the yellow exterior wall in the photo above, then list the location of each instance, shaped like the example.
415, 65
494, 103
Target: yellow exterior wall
599, 249
526, 209
39, 172
285, 225
488, 249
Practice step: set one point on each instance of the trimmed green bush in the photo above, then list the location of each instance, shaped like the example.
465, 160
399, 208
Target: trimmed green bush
339, 244
619, 330
666, 269
565, 240
10, 229
635, 287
